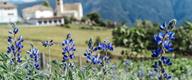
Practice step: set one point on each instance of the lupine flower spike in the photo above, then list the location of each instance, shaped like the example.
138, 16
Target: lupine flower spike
14, 45
68, 48
48, 44
34, 55
97, 59
164, 42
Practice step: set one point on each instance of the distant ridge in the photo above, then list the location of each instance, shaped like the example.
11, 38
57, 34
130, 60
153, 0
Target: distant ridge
129, 10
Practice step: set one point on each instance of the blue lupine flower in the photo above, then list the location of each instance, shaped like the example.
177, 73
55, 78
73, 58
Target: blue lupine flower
34, 55
160, 78
166, 76
171, 35
163, 26
68, 48
166, 61
159, 38
65, 58
163, 39
15, 30
48, 43
88, 55
8, 49
97, 59
104, 46
168, 46
9, 39
157, 52
156, 66
19, 58
15, 45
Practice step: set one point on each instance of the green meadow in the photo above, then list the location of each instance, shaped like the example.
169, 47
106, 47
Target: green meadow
37, 34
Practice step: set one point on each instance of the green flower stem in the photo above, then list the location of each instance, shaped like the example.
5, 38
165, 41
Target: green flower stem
49, 59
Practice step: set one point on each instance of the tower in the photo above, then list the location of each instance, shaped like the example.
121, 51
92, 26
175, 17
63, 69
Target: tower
59, 7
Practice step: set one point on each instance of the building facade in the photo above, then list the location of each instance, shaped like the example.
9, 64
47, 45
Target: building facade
47, 21
44, 15
37, 11
40, 15
8, 13
74, 10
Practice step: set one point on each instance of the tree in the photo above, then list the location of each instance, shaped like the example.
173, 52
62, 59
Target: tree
94, 17
143, 24
46, 3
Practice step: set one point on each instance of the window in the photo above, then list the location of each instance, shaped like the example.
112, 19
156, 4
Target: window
45, 22
5, 3
60, 20
10, 14
55, 21
50, 21
40, 22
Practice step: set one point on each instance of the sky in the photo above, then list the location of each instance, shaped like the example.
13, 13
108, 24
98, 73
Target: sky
22, 1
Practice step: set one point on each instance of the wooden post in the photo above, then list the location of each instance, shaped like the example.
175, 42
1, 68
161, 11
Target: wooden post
80, 60
42, 61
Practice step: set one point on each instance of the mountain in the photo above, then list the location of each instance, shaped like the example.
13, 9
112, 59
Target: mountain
129, 10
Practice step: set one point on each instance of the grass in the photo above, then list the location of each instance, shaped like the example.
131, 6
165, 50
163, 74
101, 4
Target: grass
34, 34
116, 70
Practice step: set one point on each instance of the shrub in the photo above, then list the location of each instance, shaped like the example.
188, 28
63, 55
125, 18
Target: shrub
67, 26
183, 42
94, 17
141, 38
137, 39
68, 20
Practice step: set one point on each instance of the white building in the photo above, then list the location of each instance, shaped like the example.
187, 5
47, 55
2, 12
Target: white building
74, 10
37, 11
8, 13
44, 15
47, 21
41, 15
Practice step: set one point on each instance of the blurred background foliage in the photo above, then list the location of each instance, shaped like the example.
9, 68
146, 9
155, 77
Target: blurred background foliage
140, 37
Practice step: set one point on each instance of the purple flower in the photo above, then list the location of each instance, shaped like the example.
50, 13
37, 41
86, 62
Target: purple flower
48, 43
163, 39
68, 48
97, 59
15, 44
157, 52
34, 55
163, 26
159, 38
65, 58
171, 35
72, 56
15, 30
9, 39
104, 46
155, 66
166, 60
168, 46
